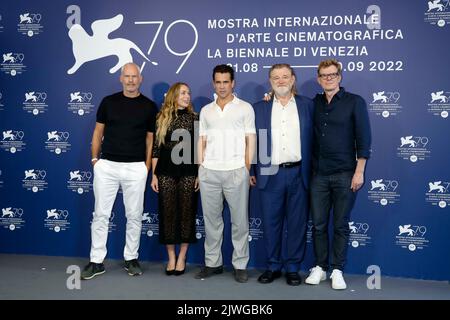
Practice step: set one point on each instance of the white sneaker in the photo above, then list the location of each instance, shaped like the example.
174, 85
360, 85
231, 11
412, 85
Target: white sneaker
337, 280
317, 274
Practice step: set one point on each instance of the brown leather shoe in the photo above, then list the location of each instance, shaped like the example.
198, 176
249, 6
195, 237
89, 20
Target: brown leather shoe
240, 275
206, 272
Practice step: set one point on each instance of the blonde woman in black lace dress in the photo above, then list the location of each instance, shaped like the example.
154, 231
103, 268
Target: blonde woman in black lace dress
175, 175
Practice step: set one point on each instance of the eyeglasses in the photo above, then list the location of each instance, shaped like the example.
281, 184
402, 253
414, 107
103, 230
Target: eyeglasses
331, 76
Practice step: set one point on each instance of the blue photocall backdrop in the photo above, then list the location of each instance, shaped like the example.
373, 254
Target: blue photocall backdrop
393, 53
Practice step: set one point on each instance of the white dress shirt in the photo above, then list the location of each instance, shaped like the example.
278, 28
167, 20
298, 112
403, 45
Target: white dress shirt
286, 145
225, 132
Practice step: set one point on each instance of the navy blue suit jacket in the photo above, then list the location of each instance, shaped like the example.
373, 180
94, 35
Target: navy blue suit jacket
263, 120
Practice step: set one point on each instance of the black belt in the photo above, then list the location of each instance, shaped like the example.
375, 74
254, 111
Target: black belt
290, 164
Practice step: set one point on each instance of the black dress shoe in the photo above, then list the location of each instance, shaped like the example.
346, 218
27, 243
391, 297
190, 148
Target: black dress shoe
268, 276
293, 279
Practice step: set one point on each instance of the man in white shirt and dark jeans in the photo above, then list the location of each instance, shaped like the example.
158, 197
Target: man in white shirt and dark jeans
225, 150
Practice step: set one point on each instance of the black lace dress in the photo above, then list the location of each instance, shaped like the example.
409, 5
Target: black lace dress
176, 171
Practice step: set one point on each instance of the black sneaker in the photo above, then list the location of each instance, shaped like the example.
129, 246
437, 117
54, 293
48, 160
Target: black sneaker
206, 272
92, 270
133, 267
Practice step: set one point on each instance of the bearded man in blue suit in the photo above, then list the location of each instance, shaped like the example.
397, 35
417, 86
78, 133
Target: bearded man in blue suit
282, 171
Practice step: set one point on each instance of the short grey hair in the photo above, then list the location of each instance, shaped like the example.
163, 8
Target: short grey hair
130, 63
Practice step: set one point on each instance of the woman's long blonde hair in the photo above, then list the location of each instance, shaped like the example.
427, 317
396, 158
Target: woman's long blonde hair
168, 111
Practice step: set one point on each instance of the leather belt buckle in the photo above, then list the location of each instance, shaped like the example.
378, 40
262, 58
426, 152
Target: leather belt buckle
289, 164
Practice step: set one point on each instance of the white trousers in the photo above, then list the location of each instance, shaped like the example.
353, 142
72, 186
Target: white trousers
108, 176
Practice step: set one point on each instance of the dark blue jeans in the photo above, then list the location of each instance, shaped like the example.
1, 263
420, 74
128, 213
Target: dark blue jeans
331, 192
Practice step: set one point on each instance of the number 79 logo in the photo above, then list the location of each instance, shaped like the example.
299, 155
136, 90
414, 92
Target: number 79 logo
186, 54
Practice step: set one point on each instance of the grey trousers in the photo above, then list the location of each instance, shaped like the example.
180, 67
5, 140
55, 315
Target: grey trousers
233, 185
